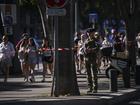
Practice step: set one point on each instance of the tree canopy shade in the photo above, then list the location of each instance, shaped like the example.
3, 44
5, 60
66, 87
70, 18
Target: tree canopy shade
7, 1
28, 2
117, 9
41, 7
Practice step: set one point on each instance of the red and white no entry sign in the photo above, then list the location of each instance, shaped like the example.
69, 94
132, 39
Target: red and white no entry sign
56, 3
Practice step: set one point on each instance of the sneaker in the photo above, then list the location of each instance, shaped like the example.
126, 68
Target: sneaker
32, 79
78, 71
43, 80
25, 78
89, 91
94, 91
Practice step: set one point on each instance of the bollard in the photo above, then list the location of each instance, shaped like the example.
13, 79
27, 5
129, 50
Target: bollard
113, 80
126, 77
137, 75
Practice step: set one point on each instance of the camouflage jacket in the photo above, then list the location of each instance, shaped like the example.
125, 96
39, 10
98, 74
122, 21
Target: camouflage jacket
91, 49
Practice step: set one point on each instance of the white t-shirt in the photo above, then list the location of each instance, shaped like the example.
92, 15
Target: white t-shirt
7, 50
80, 45
138, 41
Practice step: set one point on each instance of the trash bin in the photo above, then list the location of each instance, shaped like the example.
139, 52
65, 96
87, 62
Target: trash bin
137, 75
113, 80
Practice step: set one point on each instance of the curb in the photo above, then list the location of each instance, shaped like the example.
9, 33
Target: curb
120, 97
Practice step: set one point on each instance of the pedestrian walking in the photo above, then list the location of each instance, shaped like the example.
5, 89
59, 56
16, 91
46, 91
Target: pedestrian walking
23, 58
138, 44
32, 52
77, 38
7, 52
24, 36
80, 53
47, 58
91, 49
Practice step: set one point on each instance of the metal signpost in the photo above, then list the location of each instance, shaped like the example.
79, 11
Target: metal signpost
56, 3
56, 65
56, 12
55, 9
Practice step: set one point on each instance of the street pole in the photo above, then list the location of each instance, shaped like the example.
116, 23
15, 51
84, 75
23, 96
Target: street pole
2, 22
76, 16
56, 65
74, 89
76, 20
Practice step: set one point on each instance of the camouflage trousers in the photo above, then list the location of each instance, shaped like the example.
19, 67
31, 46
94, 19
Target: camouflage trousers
91, 67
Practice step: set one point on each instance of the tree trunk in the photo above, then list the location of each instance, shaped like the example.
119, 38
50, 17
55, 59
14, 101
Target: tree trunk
67, 83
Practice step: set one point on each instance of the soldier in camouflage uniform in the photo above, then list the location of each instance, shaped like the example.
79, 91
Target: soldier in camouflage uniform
91, 49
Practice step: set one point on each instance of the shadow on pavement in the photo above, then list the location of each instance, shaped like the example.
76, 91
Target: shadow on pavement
12, 86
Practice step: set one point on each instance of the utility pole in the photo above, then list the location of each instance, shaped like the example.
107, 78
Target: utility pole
56, 56
76, 15
1, 22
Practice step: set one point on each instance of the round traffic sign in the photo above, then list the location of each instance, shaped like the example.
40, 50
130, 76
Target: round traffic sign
56, 3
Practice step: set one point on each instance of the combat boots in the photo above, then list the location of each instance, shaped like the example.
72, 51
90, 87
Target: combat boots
90, 90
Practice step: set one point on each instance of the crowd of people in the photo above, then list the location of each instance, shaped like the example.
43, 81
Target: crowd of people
108, 44
7, 52
28, 51
90, 50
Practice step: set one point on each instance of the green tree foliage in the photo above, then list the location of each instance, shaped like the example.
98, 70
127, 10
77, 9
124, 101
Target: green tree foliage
116, 9
28, 4
38, 6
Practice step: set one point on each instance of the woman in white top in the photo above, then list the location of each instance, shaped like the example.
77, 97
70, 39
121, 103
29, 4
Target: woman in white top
138, 44
81, 43
7, 51
23, 58
32, 52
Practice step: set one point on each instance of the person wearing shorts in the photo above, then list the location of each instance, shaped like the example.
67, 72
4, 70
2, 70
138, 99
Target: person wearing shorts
7, 51
47, 58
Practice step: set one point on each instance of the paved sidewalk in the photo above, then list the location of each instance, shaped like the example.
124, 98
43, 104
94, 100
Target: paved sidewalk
20, 93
